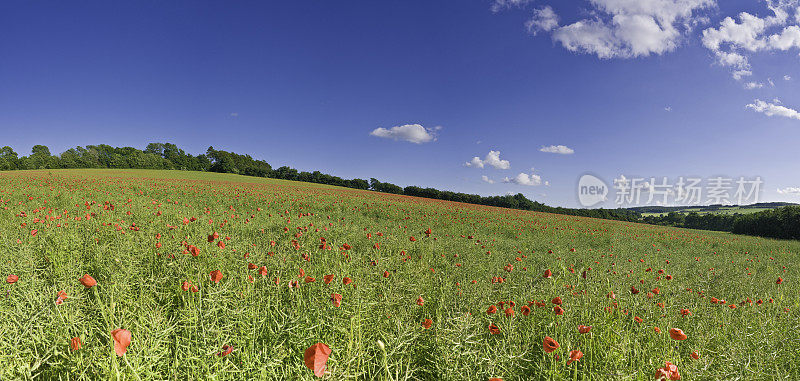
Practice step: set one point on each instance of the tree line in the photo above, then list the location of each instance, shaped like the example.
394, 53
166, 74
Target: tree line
169, 156
783, 222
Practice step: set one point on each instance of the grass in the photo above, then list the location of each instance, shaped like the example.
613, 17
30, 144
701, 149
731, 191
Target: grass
176, 334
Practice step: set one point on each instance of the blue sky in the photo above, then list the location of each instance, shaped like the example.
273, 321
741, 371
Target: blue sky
646, 88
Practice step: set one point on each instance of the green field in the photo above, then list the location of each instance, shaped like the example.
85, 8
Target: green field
133, 232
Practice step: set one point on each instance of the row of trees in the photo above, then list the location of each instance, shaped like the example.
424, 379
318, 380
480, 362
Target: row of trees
783, 222
155, 156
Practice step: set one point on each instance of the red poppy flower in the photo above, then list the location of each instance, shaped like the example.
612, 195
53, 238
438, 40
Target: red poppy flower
327, 278
87, 281
427, 323
638, 319
779, 281
695, 355
122, 338
61, 297
525, 310
550, 345
509, 312
677, 334
316, 358
548, 273
346, 281
420, 301
185, 286
251, 266
216, 276
557, 300
558, 310
75, 343
194, 288
226, 350
336, 299
12, 279
494, 330
574, 355
584, 329
492, 309
658, 330
668, 372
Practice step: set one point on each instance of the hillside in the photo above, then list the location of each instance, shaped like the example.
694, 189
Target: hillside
225, 276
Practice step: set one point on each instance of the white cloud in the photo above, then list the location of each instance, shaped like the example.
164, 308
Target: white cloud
544, 19
753, 85
793, 191
413, 133
525, 179
773, 109
499, 5
733, 40
564, 150
786, 77
738, 74
492, 158
632, 28
668, 108
234, 115
487, 179
476, 162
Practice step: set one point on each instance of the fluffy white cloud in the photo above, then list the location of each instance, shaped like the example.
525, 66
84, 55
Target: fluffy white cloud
739, 74
476, 162
733, 40
789, 191
773, 109
544, 19
564, 150
499, 5
487, 179
786, 77
492, 159
632, 28
531, 179
413, 133
753, 85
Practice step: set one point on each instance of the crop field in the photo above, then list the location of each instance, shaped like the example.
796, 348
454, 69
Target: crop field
143, 275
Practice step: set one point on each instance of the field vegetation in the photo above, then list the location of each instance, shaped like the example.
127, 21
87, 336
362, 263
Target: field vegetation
147, 274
